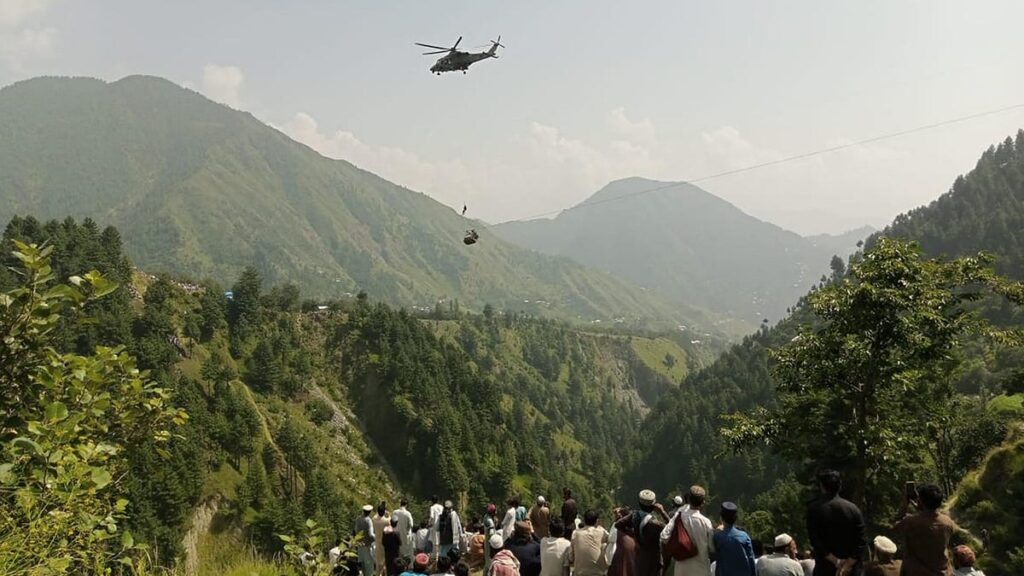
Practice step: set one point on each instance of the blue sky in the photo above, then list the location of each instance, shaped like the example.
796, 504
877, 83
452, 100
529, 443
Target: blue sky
585, 92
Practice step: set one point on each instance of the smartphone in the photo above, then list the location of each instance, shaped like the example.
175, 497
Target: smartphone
910, 490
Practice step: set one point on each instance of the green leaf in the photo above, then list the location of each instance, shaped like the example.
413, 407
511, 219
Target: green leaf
284, 538
127, 541
101, 477
26, 444
56, 411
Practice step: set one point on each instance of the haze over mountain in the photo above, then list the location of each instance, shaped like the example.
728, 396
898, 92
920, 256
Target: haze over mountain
687, 244
200, 189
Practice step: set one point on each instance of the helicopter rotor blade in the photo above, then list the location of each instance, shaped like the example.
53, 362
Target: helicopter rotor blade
437, 52
457, 43
431, 46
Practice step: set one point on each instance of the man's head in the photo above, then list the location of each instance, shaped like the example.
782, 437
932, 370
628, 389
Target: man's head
403, 503
444, 564
784, 545
646, 499
522, 529
434, 499
885, 548
513, 502
448, 505
496, 542
420, 562
696, 497
930, 496
829, 481
590, 517
382, 509
541, 501
557, 528
367, 510
566, 493
462, 569
729, 513
963, 556
394, 521
491, 508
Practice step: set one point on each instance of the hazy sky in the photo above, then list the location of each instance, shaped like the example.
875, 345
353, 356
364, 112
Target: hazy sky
586, 92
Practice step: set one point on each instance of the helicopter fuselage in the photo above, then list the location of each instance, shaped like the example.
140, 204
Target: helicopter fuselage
456, 61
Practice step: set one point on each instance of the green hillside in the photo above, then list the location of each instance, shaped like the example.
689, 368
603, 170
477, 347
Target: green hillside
983, 211
201, 190
687, 244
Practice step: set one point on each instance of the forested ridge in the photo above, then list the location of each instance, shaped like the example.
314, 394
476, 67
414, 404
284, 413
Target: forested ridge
298, 410
981, 212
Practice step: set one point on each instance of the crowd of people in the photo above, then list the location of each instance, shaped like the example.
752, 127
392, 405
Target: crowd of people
652, 540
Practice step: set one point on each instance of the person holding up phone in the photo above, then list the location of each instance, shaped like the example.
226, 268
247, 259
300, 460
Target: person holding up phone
926, 534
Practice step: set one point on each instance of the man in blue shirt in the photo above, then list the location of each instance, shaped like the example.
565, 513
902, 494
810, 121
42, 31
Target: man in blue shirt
734, 552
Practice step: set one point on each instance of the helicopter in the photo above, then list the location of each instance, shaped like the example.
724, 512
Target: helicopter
456, 59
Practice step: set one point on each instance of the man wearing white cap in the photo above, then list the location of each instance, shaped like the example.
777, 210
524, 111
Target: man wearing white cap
698, 528
365, 549
885, 563
540, 518
781, 562
647, 523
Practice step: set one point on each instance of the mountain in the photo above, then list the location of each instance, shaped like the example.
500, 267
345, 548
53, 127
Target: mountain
199, 189
984, 210
685, 243
844, 244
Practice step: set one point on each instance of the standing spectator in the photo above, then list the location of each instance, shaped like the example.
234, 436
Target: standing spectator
405, 529
435, 509
526, 548
647, 523
540, 517
926, 535
422, 538
734, 552
698, 526
363, 528
554, 551
508, 523
620, 554
963, 561
503, 563
885, 563
381, 521
836, 529
569, 513
391, 543
587, 550
782, 560
490, 529
447, 530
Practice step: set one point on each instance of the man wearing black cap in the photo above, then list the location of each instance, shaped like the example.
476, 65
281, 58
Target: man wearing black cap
836, 529
733, 549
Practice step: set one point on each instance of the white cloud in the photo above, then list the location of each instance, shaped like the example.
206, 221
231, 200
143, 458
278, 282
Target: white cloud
20, 44
641, 132
447, 181
14, 12
223, 84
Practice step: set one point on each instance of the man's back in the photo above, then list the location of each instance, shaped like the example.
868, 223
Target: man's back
699, 528
554, 556
734, 552
540, 519
588, 551
778, 565
527, 551
835, 526
926, 537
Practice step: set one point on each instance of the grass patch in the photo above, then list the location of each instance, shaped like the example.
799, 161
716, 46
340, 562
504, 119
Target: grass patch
656, 352
224, 481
